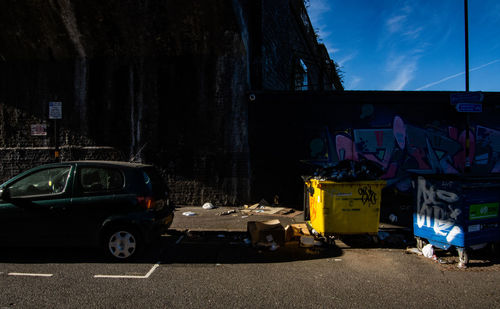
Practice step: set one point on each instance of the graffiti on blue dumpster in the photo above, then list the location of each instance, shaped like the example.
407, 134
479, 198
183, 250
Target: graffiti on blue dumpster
436, 211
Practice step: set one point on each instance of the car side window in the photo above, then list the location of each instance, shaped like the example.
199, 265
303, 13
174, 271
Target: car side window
99, 179
44, 182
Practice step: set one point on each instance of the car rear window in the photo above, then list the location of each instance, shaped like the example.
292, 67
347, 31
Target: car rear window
99, 179
154, 182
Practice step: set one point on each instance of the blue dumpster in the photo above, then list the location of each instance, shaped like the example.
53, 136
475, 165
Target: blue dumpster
460, 212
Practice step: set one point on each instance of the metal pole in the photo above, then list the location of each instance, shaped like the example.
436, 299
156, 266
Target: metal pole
467, 120
466, 14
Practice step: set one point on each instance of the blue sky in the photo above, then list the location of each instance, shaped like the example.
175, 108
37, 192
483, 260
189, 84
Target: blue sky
411, 45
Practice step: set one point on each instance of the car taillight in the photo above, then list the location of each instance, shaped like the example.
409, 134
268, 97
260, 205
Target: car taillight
145, 202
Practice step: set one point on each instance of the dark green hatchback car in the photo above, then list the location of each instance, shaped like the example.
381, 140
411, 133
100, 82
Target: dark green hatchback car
120, 206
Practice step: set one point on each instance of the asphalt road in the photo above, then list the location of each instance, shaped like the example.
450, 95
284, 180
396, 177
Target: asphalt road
221, 272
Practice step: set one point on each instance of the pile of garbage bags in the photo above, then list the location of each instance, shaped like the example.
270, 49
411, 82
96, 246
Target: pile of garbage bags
348, 170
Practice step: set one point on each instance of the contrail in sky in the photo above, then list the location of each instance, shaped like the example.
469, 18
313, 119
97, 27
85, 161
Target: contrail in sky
456, 75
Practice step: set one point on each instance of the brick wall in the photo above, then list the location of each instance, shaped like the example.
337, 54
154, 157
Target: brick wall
162, 82
158, 82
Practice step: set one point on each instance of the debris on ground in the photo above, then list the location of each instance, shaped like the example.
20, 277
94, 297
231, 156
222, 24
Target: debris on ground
189, 213
414, 251
259, 209
307, 241
266, 233
428, 251
228, 212
208, 206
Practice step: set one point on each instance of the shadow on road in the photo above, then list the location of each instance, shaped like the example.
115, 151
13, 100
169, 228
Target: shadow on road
175, 249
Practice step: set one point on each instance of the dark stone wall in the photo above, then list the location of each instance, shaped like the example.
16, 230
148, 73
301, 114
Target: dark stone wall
163, 82
287, 37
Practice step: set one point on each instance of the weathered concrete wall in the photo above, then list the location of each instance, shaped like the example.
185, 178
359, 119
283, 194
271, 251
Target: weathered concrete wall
404, 133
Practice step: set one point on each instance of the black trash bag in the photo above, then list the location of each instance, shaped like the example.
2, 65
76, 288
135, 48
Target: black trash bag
348, 170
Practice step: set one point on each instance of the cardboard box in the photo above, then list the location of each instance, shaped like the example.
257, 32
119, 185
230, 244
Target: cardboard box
261, 232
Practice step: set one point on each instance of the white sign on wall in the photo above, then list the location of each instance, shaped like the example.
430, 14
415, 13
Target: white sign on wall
39, 130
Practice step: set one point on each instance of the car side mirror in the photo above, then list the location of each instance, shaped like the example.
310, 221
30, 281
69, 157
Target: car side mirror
5, 194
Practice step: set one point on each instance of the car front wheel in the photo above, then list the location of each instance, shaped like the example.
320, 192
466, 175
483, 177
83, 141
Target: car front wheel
122, 243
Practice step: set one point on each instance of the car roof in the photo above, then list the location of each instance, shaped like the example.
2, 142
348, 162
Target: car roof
102, 163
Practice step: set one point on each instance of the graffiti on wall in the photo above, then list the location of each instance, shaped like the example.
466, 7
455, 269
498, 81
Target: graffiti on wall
406, 149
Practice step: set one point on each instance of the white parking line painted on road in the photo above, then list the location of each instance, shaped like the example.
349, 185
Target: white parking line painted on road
130, 277
30, 275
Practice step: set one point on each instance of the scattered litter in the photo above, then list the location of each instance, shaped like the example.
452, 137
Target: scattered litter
413, 250
318, 243
307, 241
266, 232
445, 261
338, 260
189, 213
393, 218
383, 235
228, 212
268, 210
461, 265
221, 236
208, 206
274, 246
243, 217
247, 241
428, 251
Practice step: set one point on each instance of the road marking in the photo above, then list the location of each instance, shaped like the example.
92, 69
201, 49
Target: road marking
130, 277
30, 275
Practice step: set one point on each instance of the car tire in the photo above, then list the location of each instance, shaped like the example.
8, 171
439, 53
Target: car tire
122, 243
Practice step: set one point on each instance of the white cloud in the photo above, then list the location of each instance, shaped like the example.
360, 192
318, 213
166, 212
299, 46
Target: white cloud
354, 82
316, 10
457, 75
404, 68
346, 58
413, 34
395, 24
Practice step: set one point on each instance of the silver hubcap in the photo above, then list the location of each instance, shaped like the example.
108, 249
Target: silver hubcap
122, 244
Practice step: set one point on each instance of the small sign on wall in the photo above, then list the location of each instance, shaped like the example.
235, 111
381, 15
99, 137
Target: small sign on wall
55, 110
38, 130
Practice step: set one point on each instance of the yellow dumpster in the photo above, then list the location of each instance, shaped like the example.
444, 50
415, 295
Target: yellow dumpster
344, 207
